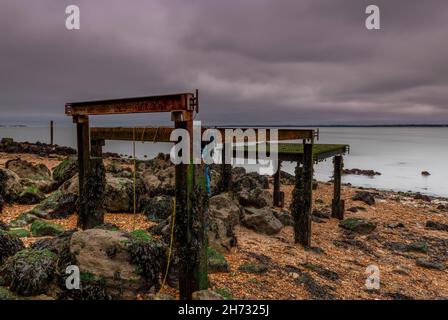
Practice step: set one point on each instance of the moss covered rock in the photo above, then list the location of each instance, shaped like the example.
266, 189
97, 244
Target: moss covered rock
18, 232
65, 170
9, 245
29, 272
358, 225
6, 294
41, 228
157, 208
57, 205
216, 261
31, 195
250, 267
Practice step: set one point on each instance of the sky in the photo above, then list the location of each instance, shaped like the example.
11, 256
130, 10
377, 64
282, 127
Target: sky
278, 62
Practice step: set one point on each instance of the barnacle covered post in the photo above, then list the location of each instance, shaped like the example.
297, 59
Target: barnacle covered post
338, 205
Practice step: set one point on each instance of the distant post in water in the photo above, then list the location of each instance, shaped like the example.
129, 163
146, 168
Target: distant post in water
51, 132
338, 205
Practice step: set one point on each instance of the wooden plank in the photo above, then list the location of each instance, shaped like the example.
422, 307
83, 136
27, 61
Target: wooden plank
161, 134
283, 134
165, 103
338, 205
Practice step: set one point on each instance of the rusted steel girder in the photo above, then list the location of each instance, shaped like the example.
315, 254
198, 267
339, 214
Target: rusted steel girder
165, 103
162, 134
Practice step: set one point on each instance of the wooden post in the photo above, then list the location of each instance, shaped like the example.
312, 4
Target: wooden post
226, 171
277, 182
97, 148
338, 205
82, 126
190, 233
92, 198
51, 132
302, 198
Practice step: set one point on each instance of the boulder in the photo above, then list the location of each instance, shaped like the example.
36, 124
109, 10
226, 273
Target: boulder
365, 197
216, 262
9, 245
31, 195
27, 170
160, 182
261, 220
119, 194
434, 225
66, 170
423, 197
57, 205
10, 187
157, 208
205, 295
117, 265
249, 181
41, 228
358, 225
284, 217
257, 198
224, 214
29, 272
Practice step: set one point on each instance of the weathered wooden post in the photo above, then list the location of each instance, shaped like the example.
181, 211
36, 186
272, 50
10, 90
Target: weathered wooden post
191, 211
338, 205
97, 148
303, 198
277, 183
83, 138
91, 213
51, 132
226, 171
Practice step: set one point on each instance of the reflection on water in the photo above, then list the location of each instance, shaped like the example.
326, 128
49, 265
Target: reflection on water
400, 154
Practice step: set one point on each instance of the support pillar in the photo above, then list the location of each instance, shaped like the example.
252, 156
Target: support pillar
51, 132
338, 205
303, 198
83, 138
190, 232
278, 195
97, 148
226, 172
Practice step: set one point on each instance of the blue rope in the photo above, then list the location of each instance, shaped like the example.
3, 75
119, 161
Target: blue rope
207, 180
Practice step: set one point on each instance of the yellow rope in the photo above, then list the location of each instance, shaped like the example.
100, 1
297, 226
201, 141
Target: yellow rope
170, 249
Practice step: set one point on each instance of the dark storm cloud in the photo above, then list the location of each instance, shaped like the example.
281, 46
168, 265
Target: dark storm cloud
255, 61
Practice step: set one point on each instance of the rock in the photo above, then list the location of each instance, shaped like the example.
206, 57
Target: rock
323, 272
41, 149
286, 178
216, 262
18, 232
31, 195
365, 197
257, 198
6, 294
28, 170
41, 228
9, 245
356, 171
119, 194
29, 272
425, 173
395, 225
160, 182
205, 295
261, 220
418, 246
425, 263
356, 209
316, 290
358, 225
403, 270
22, 220
256, 268
249, 181
66, 170
224, 214
57, 205
321, 214
10, 187
434, 225
419, 196
157, 208
442, 207
2, 203
284, 217
117, 265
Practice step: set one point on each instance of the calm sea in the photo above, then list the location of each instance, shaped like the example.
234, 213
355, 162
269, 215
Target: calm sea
400, 154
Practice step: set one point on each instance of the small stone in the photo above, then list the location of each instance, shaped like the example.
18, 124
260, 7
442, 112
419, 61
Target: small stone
256, 268
206, 295
425, 263
358, 225
434, 225
41, 228
425, 173
365, 197
403, 270
395, 225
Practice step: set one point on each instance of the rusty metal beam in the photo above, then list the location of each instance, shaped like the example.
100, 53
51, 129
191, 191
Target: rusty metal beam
161, 134
165, 103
